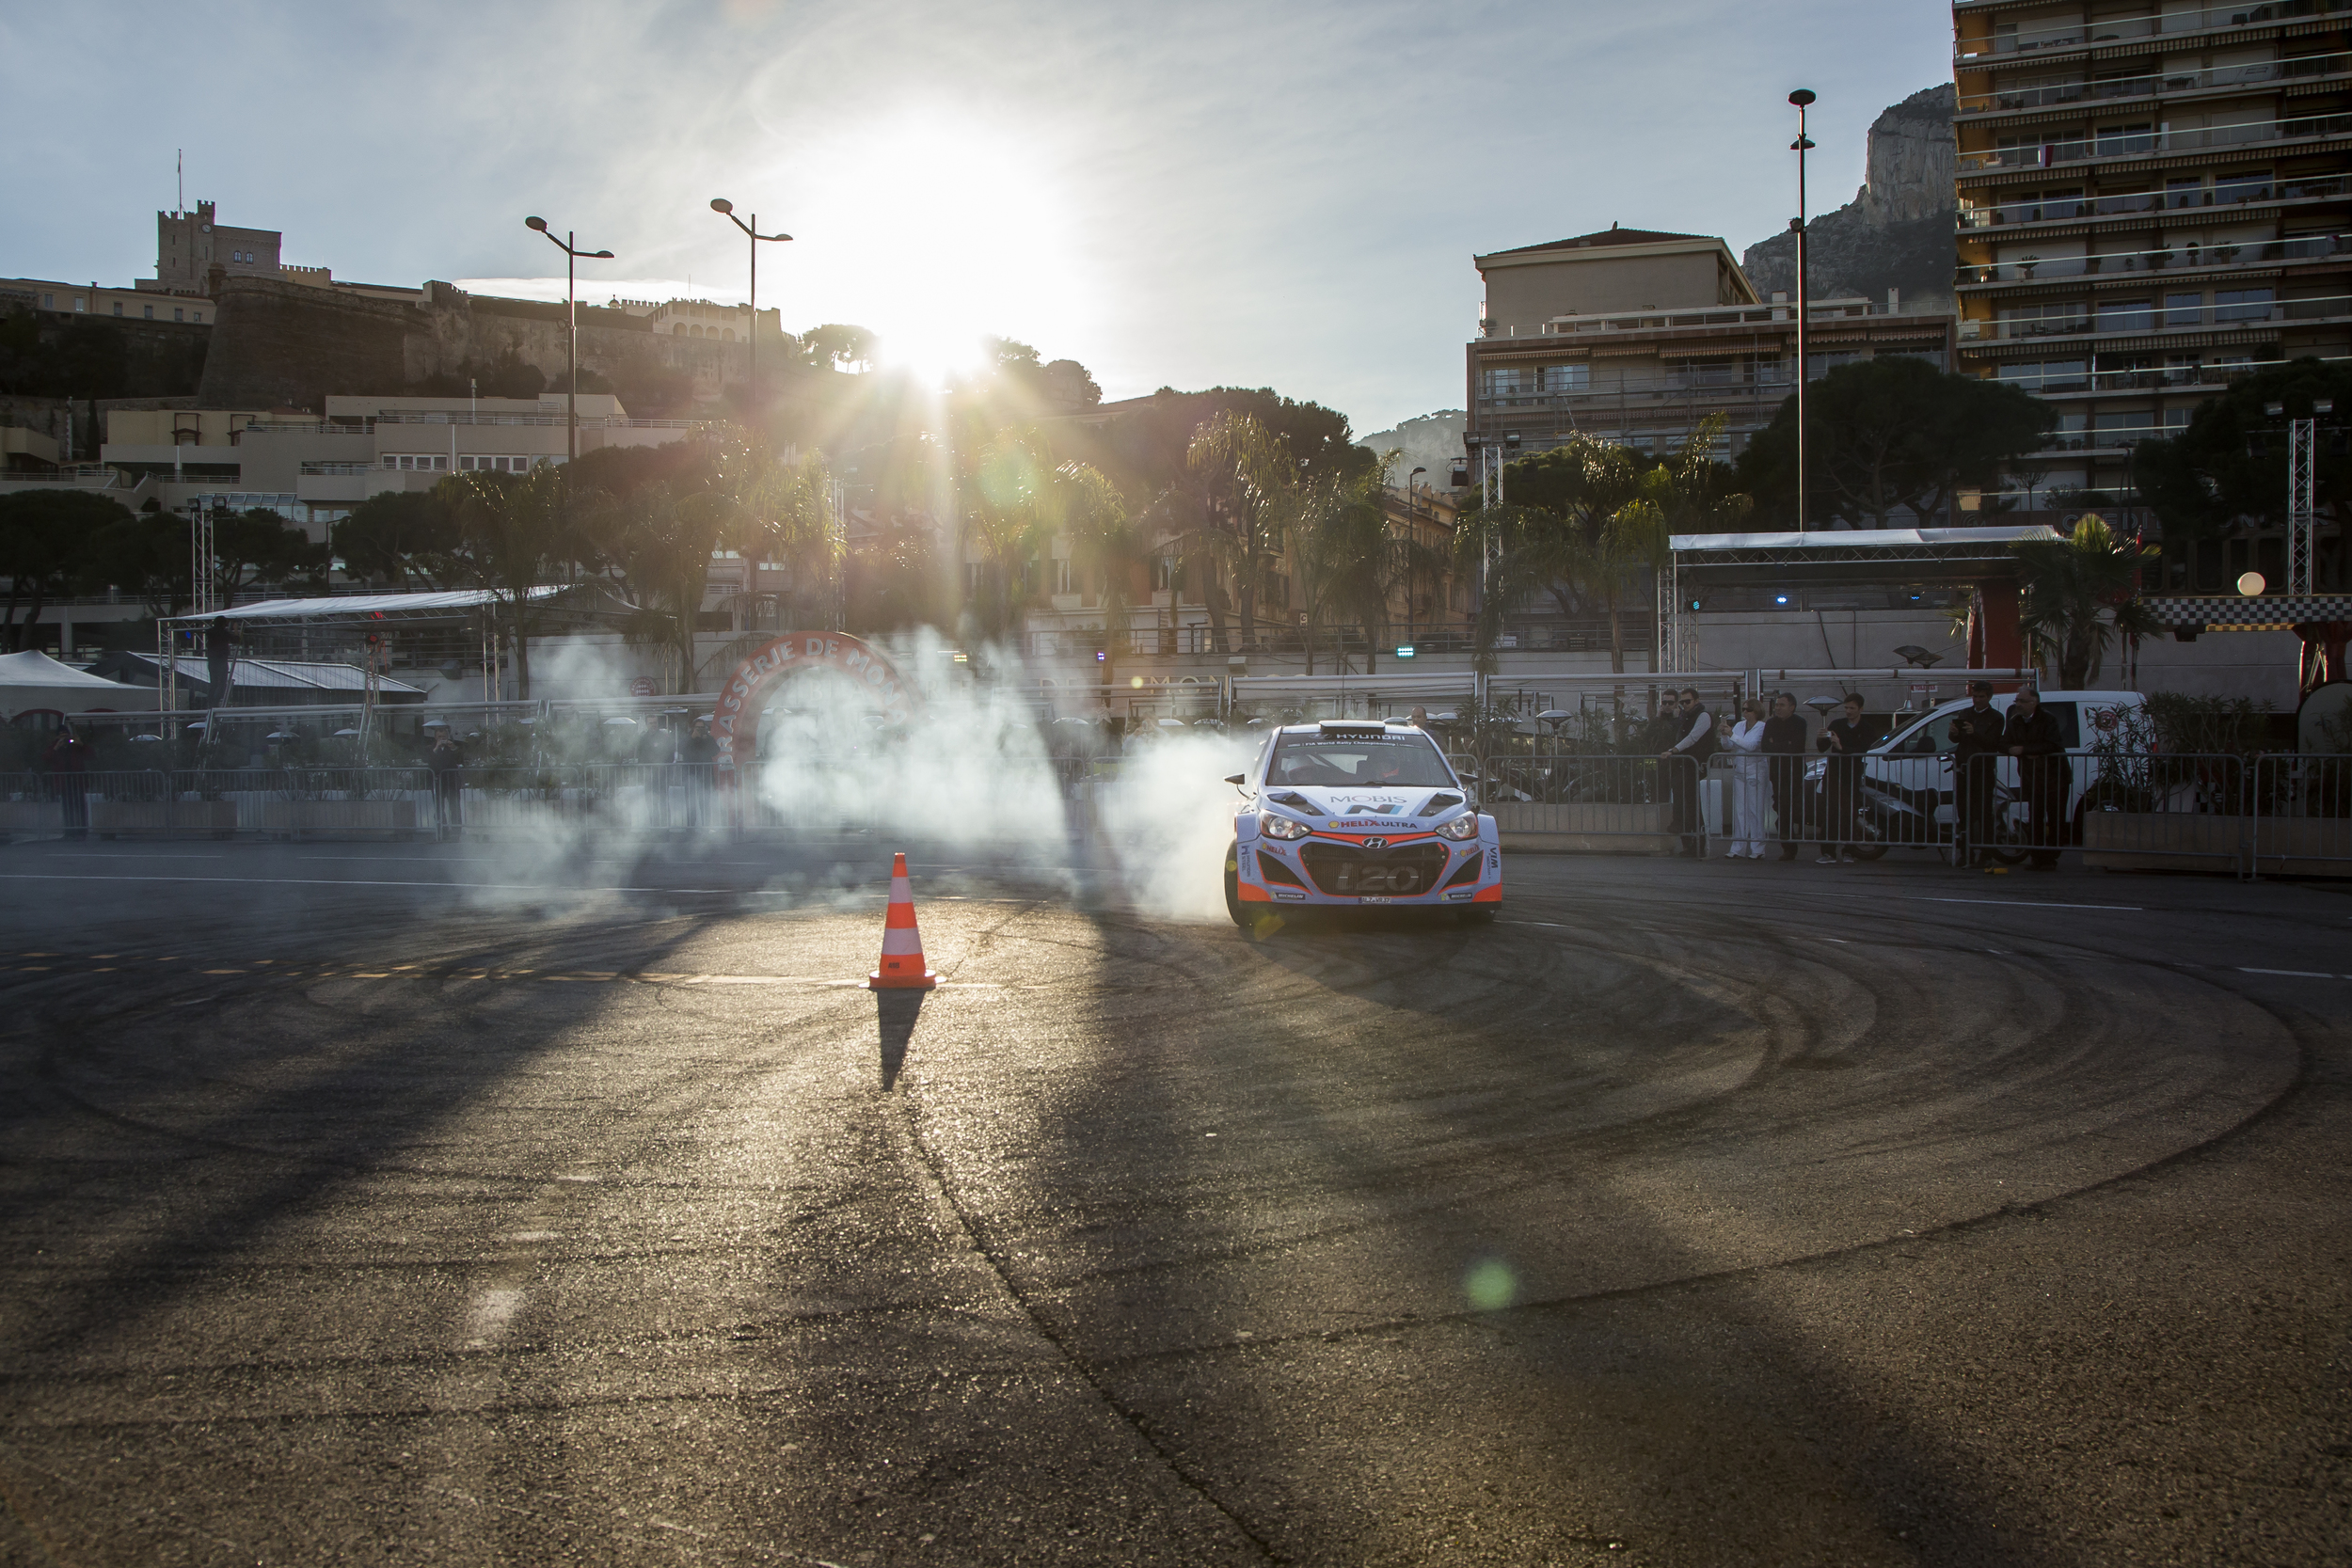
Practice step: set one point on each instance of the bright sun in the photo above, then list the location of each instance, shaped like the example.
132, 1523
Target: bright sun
936, 232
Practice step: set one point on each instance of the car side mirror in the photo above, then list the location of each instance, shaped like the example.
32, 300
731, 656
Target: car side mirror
1232, 778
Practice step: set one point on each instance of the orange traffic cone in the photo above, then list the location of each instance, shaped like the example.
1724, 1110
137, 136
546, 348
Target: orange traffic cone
902, 941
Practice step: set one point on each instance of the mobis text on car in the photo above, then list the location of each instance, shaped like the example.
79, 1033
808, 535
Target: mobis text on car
1358, 813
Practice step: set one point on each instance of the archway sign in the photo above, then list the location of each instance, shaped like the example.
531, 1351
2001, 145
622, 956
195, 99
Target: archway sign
735, 723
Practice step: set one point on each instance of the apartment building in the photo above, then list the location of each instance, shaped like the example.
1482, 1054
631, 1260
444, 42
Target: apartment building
2155, 198
1636, 335
314, 469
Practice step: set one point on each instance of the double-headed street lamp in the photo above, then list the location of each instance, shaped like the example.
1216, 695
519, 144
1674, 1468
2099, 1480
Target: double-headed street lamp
571, 322
721, 205
1804, 144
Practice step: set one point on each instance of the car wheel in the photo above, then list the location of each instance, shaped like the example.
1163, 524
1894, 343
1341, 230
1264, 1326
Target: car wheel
1232, 885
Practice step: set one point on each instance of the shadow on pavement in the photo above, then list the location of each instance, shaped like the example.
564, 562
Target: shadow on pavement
895, 1012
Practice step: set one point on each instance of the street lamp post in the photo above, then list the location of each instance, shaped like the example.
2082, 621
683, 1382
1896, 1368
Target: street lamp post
571, 324
1412, 541
721, 205
1801, 98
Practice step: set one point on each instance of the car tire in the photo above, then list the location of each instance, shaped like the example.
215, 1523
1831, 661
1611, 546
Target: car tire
1233, 886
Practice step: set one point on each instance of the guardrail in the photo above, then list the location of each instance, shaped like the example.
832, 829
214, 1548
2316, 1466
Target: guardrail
1571, 801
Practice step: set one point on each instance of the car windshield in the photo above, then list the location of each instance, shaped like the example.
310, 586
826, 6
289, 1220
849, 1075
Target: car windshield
1347, 762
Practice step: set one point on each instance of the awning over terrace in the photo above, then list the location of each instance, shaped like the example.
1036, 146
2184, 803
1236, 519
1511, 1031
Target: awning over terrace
442, 605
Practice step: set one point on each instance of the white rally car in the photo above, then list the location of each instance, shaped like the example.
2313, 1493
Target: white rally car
1358, 813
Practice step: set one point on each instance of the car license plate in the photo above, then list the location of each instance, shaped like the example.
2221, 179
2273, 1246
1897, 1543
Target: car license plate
1375, 900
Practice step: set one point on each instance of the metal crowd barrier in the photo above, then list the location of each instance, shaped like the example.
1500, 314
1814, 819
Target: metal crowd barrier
2303, 821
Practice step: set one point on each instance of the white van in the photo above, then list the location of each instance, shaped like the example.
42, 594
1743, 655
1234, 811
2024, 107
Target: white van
1917, 758
1908, 776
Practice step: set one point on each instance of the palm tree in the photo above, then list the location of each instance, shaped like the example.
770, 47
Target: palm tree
2075, 593
518, 530
1090, 512
1255, 480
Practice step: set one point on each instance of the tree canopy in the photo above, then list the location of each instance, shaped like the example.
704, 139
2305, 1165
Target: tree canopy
2228, 468
1887, 436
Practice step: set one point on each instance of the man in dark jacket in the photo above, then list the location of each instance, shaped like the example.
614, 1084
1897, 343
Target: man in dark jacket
1846, 739
1686, 764
66, 759
1977, 740
2044, 775
445, 760
1784, 745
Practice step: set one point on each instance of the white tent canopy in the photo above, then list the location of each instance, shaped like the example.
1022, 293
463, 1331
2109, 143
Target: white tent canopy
34, 682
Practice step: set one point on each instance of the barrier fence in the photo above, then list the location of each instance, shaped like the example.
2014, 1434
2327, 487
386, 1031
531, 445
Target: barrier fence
2283, 815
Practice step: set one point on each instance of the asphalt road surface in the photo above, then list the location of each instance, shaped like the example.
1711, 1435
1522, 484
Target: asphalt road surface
413, 1205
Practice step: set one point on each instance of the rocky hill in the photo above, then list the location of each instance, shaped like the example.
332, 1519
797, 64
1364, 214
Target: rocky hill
1896, 233
1432, 441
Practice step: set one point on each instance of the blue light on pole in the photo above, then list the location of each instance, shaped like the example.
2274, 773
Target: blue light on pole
1405, 650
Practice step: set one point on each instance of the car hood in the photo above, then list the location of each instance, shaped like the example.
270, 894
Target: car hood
1370, 807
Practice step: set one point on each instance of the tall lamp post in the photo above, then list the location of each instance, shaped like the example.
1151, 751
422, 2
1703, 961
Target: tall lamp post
721, 205
1412, 540
571, 322
1801, 98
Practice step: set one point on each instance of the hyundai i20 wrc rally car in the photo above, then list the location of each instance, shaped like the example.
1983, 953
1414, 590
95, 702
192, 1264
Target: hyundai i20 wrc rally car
1355, 814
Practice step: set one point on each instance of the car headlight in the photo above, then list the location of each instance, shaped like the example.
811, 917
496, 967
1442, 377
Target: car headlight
1281, 827
1461, 829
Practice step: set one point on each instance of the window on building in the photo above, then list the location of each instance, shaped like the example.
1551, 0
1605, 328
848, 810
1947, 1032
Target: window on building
2184, 193
197, 316
2126, 315
178, 314
1065, 581
49, 302
2180, 370
80, 303
1567, 378
1164, 574
2243, 185
2120, 428
117, 306
2067, 435
2242, 305
2184, 310
1506, 381
2115, 141
417, 462
151, 312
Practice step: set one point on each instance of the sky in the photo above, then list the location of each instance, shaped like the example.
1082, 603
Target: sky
1282, 195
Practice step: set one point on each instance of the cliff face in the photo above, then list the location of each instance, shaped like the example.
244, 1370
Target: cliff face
1896, 233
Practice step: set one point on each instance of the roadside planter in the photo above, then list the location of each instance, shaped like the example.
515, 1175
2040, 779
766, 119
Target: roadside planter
298, 820
1586, 828
164, 819
31, 818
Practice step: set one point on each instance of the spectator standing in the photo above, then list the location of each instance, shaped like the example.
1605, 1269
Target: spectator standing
1419, 719
446, 760
1784, 746
2043, 773
1686, 765
1978, 733
1846, 739
1746, 741
66, 759
700, 753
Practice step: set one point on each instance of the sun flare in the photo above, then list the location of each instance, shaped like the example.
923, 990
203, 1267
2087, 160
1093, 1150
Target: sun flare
938, 231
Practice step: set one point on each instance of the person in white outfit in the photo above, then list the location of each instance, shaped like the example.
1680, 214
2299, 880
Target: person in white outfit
1746, 744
